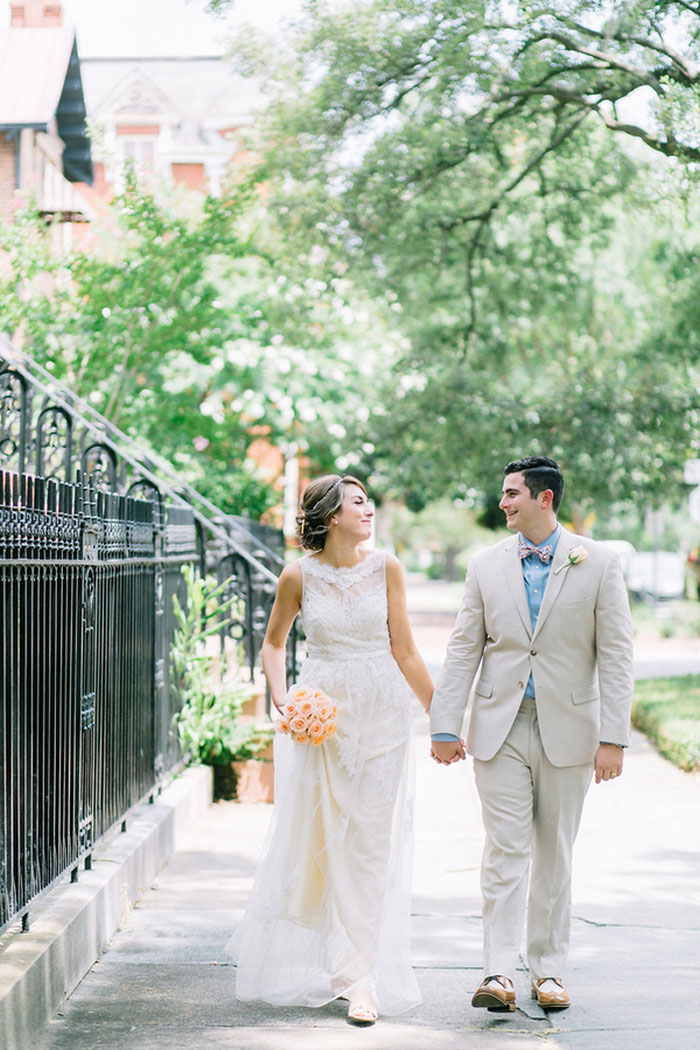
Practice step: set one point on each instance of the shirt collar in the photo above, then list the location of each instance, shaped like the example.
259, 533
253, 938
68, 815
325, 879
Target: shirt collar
552, 539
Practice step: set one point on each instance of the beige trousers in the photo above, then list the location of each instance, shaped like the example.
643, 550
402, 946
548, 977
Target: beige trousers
531, 812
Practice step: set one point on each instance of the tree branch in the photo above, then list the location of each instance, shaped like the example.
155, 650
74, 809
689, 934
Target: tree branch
608, 58
688, 71
693, 8
483, 218
670, 148
662, 48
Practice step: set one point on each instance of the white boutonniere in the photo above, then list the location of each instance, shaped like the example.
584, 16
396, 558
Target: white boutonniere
576, 555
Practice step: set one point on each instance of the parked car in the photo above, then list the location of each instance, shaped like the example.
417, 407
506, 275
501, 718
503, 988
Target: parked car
624, 549
655, 575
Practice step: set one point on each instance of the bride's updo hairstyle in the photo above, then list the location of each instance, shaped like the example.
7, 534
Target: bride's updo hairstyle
322, 498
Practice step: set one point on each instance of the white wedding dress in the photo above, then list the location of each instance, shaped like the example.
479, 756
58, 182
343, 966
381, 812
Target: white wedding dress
330, 905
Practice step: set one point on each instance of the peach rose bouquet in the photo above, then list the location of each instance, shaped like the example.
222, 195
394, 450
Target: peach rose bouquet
308, 716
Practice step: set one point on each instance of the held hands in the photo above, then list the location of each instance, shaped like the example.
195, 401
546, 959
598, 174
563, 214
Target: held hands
608, 762
608, 759
445, 752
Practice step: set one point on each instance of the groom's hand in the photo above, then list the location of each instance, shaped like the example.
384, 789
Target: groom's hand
447, 751
608, 762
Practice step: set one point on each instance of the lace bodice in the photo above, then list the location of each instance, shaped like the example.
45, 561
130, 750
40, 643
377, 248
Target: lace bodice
344, 610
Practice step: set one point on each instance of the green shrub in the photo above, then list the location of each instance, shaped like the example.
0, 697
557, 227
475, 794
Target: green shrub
667, 710
209, 723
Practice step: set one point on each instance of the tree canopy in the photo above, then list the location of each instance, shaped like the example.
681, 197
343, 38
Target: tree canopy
182, 327
469, 233
485, 164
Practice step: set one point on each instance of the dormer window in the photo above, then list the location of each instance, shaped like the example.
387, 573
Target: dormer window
140, 149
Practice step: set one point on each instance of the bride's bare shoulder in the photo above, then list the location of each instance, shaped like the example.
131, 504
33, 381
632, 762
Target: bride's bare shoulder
291, 577
394, 571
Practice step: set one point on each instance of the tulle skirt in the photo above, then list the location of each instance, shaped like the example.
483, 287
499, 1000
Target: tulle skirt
330, 906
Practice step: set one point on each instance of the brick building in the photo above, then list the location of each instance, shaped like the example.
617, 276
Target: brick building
177, 113
176, 116
44, 146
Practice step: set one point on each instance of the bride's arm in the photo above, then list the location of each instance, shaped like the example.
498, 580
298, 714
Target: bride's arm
403, 646
274, 647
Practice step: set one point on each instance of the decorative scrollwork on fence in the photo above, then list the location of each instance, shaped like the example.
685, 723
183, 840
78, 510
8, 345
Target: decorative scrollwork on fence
142, 488
14, 399
254, 592
99, 462
54, 443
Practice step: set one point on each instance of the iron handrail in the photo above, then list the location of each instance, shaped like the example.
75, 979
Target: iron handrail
65, 399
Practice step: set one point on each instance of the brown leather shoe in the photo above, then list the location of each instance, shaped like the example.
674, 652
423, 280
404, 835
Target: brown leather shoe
550, 993
496, 993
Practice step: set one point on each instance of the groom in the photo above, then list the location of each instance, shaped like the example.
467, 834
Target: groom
544, 637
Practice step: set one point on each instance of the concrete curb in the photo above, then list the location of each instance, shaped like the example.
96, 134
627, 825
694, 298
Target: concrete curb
72, 925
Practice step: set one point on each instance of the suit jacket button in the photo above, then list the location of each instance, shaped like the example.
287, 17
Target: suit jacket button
533, 652
521, 685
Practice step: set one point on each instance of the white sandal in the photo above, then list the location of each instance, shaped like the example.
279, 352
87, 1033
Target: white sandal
362, 1009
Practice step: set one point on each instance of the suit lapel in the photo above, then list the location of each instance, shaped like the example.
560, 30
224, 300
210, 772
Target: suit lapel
555, 582
513, 573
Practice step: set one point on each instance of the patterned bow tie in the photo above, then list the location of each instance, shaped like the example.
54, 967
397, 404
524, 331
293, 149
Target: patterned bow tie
525, 549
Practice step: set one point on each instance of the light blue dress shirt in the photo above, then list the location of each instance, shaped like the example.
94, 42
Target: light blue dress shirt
535, 575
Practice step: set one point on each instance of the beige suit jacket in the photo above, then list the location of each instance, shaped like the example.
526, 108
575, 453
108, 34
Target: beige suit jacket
580, 654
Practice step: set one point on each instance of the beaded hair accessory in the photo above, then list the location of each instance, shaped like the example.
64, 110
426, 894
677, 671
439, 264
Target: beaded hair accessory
316, 529
339, 481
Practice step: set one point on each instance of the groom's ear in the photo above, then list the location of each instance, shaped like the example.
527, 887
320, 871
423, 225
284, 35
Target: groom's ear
546, 498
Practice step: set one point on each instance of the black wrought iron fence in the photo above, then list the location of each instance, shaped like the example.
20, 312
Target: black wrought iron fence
44, 427
88, 570
85, 711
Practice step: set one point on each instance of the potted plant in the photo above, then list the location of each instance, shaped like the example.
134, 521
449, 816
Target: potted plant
209, 724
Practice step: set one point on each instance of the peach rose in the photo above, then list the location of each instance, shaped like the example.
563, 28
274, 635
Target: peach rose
309, 716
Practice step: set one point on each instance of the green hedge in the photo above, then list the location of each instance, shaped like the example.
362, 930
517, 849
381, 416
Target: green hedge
667, 710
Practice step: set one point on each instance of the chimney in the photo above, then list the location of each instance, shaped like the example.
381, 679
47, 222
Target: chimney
35, 14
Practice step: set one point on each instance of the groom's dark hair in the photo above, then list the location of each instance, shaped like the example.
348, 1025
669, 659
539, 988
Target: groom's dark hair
540, 473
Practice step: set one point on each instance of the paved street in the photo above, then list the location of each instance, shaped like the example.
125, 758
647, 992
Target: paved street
634, 972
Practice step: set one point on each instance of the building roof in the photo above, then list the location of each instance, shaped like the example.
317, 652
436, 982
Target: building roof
33, 65
39, 82
204, 88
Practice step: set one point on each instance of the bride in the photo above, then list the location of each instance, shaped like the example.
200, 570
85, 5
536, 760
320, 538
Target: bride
329, 912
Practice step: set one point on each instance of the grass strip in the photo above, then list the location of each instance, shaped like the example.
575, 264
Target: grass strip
667, 710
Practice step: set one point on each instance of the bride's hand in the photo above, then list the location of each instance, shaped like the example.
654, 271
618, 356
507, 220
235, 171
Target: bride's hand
447, 751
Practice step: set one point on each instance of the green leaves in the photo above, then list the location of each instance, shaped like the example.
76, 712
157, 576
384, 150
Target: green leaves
187, 324
132, 321
209, 724
668, 711
460, 160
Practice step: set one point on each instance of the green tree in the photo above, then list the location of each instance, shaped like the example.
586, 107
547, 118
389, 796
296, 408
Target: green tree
466, 160
183, 329
133, 324
607, 382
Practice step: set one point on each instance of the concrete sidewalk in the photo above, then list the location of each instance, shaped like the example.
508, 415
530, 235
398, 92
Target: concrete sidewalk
634, 970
